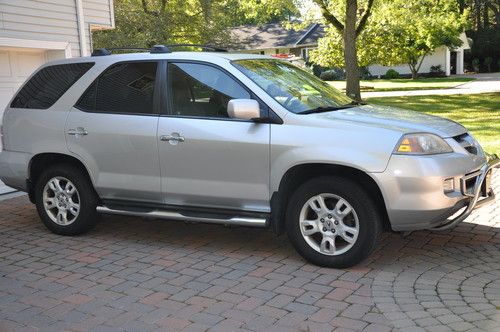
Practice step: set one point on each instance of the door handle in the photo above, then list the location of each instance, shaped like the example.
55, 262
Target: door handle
80, 131
173, 138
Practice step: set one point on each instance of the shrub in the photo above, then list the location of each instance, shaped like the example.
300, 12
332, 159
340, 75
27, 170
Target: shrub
334, 74
475, 64
488, 61
436, 71
365, 74
317, 69
391, 74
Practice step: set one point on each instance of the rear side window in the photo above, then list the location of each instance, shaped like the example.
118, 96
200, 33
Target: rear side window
122, 88
49, 84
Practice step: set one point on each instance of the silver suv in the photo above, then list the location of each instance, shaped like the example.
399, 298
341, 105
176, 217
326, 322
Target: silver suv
235, 139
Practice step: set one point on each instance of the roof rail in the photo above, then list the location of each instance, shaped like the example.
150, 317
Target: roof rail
155, 49
203, 47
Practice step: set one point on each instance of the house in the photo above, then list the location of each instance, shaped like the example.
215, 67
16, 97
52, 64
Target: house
272, 39
34, 32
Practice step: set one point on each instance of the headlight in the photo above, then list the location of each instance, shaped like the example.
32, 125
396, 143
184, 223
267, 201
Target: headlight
422, 143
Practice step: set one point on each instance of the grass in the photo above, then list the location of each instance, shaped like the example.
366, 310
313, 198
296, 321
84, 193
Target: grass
479, 113
407, 84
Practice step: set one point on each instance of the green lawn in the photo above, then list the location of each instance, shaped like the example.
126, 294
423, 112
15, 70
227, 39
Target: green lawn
479, 113
407, 84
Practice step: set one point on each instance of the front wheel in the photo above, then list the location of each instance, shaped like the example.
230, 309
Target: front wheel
332, 222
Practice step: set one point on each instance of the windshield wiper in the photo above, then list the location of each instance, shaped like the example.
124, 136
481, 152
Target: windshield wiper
322, 109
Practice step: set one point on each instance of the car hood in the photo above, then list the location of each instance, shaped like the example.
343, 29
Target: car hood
393, 118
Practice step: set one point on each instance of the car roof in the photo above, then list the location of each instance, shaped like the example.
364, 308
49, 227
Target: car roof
199, 56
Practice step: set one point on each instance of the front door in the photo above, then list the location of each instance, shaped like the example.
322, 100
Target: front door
208, 159
112, 129
453, 63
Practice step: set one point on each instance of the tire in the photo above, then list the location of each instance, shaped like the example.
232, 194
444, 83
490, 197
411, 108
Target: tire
332, 223
51, 200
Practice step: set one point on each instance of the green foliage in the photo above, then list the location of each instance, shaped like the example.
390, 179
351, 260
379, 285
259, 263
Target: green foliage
398, 31
487, 62
391, 74
334, 74
143, 23
436, 71
475, 64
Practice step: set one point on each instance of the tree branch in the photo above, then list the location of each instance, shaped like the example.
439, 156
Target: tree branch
328, 16
147, 10
364, 19
163, 5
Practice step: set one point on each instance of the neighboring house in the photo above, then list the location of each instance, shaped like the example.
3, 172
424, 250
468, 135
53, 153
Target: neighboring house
34, 32
273, 38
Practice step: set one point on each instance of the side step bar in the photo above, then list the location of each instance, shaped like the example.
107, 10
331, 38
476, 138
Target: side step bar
212, 218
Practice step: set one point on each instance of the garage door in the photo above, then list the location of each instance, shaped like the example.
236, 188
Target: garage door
15, 67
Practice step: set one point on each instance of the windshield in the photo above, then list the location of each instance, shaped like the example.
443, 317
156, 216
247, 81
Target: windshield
294, 88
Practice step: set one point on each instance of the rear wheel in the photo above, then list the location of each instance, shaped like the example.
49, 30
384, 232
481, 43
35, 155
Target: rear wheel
65, 200
332, 222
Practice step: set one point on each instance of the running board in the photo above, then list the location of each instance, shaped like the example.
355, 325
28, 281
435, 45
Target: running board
189, 216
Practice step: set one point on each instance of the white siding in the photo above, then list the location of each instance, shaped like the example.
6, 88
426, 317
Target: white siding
53, 20
435, 59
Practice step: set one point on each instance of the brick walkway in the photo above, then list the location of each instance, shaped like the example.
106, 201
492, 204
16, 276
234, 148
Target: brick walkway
140, 275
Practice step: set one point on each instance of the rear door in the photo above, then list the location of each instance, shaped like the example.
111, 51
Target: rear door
113, 130
208, 159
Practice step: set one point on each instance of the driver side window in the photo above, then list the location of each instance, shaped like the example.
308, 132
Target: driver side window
199, 90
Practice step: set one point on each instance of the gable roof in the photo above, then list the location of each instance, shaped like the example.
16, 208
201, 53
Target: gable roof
274, 35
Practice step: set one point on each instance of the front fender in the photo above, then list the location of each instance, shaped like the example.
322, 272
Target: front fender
367, 150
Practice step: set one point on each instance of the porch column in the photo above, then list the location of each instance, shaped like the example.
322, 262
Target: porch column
447, 62
460, 61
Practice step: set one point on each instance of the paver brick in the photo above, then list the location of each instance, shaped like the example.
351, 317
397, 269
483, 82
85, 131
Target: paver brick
136, 275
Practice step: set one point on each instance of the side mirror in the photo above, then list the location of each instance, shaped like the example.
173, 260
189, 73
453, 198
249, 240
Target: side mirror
246, 109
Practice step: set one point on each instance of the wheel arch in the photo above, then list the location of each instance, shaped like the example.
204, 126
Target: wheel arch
40, 161
298, 174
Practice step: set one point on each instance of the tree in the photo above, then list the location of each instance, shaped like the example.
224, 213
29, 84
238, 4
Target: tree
143, 23
484, 30
434, 23
399, 31
349, 20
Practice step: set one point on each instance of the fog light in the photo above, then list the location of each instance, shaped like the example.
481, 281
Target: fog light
449, 185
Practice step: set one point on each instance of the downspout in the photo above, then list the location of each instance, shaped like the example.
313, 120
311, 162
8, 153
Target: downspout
81, 27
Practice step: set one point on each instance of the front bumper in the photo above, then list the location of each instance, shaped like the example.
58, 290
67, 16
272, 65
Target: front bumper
480, 192
414, 193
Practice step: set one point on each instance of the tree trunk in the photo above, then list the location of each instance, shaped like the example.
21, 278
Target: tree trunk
414, 74
350, 53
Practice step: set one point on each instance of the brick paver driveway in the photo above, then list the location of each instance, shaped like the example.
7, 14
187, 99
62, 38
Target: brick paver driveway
132, 274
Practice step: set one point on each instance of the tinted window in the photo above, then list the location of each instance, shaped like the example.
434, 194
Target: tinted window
122, 88
202, 90
49, 84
